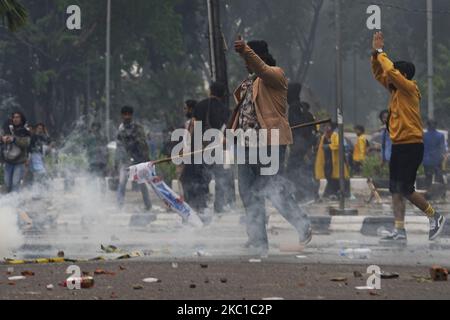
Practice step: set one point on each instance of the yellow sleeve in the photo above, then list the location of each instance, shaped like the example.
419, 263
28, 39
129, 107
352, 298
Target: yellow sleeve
362, 147
378, 73
272, 76
393, 75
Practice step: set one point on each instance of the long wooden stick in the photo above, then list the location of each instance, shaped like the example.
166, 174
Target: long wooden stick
300, 126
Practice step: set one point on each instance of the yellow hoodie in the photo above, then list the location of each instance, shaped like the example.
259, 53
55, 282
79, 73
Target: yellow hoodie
405, 121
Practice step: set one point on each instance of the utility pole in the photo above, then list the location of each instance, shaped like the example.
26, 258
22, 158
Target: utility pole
217, 46
340, 115
108, 64
430, 59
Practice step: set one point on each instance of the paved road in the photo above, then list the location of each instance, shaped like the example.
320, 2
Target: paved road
223, 279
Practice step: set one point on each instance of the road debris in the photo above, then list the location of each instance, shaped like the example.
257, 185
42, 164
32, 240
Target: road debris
60, 254
204, 266
104, 272
10, 271
357, 274
174, 265
110, 249
85, 282
27, 273
223, 280
365, 288
389, 275
361, 253
192, 286
16, 278
151, 280
339, 279
50, 287
138, 287
255, 260
438, 273
273, 298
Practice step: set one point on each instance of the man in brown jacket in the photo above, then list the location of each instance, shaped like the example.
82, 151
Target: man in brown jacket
262, 104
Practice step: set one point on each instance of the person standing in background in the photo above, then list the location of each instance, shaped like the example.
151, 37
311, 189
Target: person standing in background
434, 153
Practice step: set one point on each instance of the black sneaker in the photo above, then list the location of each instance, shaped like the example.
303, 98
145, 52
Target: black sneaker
397, 236
436, 226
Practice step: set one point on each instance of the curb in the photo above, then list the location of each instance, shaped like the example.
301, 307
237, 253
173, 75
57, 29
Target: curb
365, 225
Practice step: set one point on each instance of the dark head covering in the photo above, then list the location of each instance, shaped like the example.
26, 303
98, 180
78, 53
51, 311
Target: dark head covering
261, 48
407, 68
127, 109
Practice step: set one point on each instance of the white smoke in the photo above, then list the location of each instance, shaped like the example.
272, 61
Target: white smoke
10, 236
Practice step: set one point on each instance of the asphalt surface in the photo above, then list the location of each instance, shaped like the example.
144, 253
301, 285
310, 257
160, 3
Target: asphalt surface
229, 279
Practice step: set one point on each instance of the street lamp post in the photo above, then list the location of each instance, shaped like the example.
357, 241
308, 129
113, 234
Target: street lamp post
340, 116
108, 63
430, 59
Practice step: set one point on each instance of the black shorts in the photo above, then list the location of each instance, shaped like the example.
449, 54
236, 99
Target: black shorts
405, 161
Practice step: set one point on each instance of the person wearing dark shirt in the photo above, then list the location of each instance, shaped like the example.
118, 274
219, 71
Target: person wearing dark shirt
434, 153
213, 114
299, 167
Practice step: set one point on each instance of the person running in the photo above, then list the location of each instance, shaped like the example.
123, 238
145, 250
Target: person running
406, 132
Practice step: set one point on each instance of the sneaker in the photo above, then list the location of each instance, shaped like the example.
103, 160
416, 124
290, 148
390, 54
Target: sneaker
306, 239
436, 226
397, 236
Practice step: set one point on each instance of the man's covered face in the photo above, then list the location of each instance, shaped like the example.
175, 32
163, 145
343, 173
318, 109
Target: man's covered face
384, 118
188, 111
127, 117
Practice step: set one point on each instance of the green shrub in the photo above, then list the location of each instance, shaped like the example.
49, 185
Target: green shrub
372, 168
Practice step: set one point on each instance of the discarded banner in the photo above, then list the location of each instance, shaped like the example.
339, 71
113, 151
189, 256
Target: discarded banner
146, 173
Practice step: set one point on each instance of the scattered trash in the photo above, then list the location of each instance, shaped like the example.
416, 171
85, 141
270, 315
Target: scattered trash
114, 295
60, 254
138, 287
357, 274
192, 286
339, 279
421, 279
151, 280
438, 273
10, 271
109, 249
16, 278
273, 298
27, 273
374, 293
223, 280
365, 288
122, 268
301, 257
104, 272
362, 253
201, 253
86, 282
255, 260
50, 287
389, 275
383, 232
174, 265
206, 280
204, 266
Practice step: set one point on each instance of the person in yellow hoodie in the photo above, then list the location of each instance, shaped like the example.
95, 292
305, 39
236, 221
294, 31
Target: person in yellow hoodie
360, 150
327, 162
406, 132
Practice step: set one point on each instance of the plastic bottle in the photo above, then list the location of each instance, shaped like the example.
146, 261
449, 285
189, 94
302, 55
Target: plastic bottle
361, 253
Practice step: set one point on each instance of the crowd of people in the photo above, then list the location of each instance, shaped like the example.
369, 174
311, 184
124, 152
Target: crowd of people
308, 155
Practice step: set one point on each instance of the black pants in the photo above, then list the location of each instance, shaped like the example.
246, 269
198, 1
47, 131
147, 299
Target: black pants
405, 161
221, 186
195, 180
435, 171
254, 188
300, 171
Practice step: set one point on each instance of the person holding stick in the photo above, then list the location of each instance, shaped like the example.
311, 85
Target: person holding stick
406, 132
262, 104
